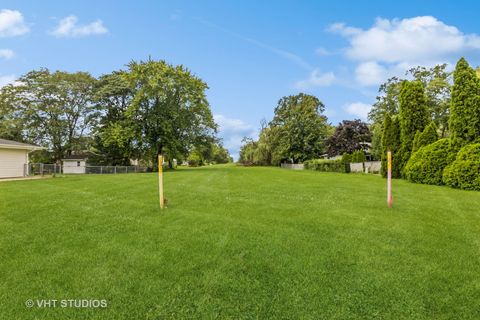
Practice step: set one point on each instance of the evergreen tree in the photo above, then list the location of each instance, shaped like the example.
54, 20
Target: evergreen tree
413, 117
390, 142
428, 136
465, 108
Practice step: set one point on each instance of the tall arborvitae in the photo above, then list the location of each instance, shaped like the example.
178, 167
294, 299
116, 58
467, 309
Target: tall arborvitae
428, 136
390, 142
465, 107
413, 116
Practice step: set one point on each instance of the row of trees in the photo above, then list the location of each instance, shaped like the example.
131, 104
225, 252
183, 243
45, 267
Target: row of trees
436, 141
429, 122
149, 109
300, 131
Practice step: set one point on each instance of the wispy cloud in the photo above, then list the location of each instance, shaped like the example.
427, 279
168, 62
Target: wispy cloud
68, 27
279, 52
12, 23
6, 54
316, 79
321, 51
358, 109
233, 131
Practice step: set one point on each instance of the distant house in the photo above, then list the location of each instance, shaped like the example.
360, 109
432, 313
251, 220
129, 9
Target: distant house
14, 157
74, 164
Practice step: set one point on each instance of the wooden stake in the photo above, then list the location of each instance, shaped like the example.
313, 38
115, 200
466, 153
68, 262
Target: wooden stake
160, 181
389, 179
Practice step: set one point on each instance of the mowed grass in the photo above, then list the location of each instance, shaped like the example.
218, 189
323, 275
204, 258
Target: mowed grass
239, 243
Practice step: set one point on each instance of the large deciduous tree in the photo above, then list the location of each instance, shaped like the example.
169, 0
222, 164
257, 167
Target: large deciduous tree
51, 109
348, 137
300, 128
114, 136
387, 101
169, 111
436, 83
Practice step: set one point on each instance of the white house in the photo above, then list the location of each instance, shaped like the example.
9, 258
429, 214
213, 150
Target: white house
14, 157
74, 164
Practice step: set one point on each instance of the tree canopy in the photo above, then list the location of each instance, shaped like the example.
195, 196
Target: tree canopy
55, 110
149, 109
348, 138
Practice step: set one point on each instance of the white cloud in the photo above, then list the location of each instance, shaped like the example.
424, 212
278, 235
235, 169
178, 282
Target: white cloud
358, 109
232, 131
12, 23
390, 47
68, 27
370, 73
6, 54
341, 28
418, 39
7, 79
316, 79
230, 124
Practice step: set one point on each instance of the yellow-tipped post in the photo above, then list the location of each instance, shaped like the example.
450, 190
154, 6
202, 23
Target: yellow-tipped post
389, 179
160, 181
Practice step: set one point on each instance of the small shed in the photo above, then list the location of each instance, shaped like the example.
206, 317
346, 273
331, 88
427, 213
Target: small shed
74, 164
14, 157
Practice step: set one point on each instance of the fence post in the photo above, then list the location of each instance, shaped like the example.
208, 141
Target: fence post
115, 169
41, 168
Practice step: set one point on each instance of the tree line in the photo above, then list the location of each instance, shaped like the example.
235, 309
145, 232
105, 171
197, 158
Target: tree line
300, 131
150, 108
437, 140
430, 120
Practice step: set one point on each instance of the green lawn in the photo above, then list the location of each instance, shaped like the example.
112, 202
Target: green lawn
239, 243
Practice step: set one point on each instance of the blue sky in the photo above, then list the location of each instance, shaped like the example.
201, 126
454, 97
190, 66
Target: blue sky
251, 53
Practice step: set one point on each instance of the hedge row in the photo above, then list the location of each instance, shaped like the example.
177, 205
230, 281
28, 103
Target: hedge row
439, 163
327, 165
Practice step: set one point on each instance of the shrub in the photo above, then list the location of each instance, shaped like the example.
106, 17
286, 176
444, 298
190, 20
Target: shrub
194, 160
427, 164
358, 156
464, 172
346, 158
327, 165
428, 136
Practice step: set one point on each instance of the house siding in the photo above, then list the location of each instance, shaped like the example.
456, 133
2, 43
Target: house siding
12, 162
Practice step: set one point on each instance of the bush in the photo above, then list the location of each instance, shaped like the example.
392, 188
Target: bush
194, 160
346, 158
428, 136
327, 165
427, 164
358, 156
464, 172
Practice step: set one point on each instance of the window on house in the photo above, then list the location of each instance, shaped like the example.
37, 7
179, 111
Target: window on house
78, 163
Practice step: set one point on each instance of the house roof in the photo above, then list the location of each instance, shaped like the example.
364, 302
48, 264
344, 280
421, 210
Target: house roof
10, 144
